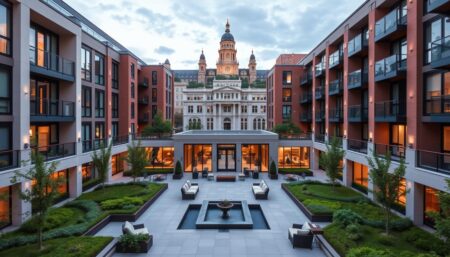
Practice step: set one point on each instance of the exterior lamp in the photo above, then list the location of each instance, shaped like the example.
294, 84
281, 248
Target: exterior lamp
370, 136
410, 141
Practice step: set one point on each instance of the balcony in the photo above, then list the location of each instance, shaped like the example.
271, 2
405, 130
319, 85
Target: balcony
335, 60
143, 84
357, 113
358, 146
320, 70
287, 99
335, 87
320, 116
390, 68
335, 115
438, 6
390, 111
319, 93
120, 140
9, 159
144, 118
434, 161
320, 138
357, 79
437, 109
164, 136
440, 54
51, 65
397, 151
391, 26
143, 100
54, 152
306, 117
306, 79
46, 110
306, 98
358, 46
301, 136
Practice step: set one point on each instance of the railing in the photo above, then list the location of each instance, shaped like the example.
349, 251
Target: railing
143, 100
319, 69
9, 159
306, 116
335, 114
335, 58
320, 115
319, 138
287, 98
359, 146
86, 146
390, 109
46, 107
120, 140
143, 83
162, 136
440, 49
434, 161
390, 64
358, 112
437, 105
307, 97
144, 118
319, 92
51, 61
335, 87
306, 78
388, 22
301, 136
357, 79
95, 144
53, 152
357, 43
438, 6
397, 151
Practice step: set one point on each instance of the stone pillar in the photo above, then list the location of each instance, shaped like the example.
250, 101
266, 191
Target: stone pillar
315, 159
239, 158
214, 158
21, 210
347, 173
415, 202
75, 182
371, 149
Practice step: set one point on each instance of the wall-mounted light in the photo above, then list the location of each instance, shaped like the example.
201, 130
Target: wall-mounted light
345, 133
370, 100
370, 136
411, 95
27, 185
411, 141
79, 139
25, 91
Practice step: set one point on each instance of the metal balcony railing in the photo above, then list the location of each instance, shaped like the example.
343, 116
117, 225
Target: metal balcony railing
434, 161
357, 44
396, 151
390, 67
48, 107
390, 111
57, 151
51, 61
359, 146
9, 159
389, 24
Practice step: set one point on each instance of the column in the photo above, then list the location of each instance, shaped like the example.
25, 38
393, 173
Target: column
21, 210
239, 158
347, 173
214, 158
75, 182
415, 202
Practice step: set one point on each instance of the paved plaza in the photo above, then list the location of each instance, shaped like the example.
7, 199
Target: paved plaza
164, 216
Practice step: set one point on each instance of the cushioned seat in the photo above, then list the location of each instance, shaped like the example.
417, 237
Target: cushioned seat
260, 190
131, 229
189, 190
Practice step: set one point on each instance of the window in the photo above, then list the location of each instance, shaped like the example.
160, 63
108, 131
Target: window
86, 102
132, 71
6, 158
446, 138
87, 172
436, 33
99, 104
115, 105
115, 129
99, 130
431, 205
244, 109
437, 90
360, 177
160, 157
86, 67
199, 109
190, 109
287, 77
5, 89
5, 28
254, 109
154, 78
132, 90
132, 110
99, 69
287, 109
154, 110
43, 48
227, 108
115, 75
210, 124
287, 95
244, 124
86, 136
293, 157
255, 157
197, 157
263, 108
154, 95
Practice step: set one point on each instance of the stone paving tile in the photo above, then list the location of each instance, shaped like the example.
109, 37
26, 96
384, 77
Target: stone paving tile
164, 216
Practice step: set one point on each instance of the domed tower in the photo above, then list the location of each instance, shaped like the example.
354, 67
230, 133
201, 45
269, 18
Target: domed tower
252, 68
227, 63
167, 64
202, 69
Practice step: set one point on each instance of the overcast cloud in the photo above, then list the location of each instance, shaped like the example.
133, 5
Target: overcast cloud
179, 30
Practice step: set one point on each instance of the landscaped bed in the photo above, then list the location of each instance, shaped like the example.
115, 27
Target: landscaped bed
324, 199
81, 215
67, 247
151, 171
295, 171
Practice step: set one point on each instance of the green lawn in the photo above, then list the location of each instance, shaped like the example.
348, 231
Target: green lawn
61, 247
325, 199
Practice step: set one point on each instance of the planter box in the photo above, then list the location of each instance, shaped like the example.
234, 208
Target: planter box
312, 217
255, 175
226, 178
194, 175
144, 246
177, 176
274, 177
124, 217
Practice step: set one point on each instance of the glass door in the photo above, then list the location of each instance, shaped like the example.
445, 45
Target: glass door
226, 158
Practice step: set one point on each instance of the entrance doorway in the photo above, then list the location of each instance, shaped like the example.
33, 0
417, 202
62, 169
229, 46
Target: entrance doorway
226, 158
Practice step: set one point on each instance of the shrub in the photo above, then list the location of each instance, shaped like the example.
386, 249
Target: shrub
346, 217
273, 169
56, 217
317, 206
121, 203
398, 225
131, 242
368, 252
353, 232
385, 240
178, 169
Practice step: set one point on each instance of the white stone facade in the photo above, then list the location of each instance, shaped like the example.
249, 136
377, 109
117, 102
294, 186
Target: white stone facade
226, 106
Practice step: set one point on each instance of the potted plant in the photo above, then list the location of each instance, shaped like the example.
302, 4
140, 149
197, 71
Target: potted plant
273, 174
139, 243
194, 172
246, 172
178, 173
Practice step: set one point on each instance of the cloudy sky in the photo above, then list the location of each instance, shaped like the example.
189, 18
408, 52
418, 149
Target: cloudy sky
179, 29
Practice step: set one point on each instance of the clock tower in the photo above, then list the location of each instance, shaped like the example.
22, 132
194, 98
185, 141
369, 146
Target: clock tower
227, 63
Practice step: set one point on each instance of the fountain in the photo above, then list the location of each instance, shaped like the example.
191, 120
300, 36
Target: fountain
225, 206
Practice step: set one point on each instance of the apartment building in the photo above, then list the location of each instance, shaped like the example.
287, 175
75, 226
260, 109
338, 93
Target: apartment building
67, 88
379, 82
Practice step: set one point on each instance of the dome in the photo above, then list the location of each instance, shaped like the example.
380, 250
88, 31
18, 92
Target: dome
227, 36
252, 56
202, 56
167, 62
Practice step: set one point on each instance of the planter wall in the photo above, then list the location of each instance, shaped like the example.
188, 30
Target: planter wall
143, 247
312, 217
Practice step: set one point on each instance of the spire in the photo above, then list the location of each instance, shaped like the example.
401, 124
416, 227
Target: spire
252, 56
227, 26
202, 56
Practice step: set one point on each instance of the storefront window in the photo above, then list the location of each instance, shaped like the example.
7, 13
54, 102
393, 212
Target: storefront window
255, 157
5, 206
87, 171
360, 177
63, 188
197, 157
431, 205
159, 157
293, 157
117, 163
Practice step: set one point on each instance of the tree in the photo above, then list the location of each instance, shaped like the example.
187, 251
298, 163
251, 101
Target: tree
178, 169
331, 160
386, 184
442, 219
101, 159
287, 128
194, 125
43, 192
137, 159
159, 126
